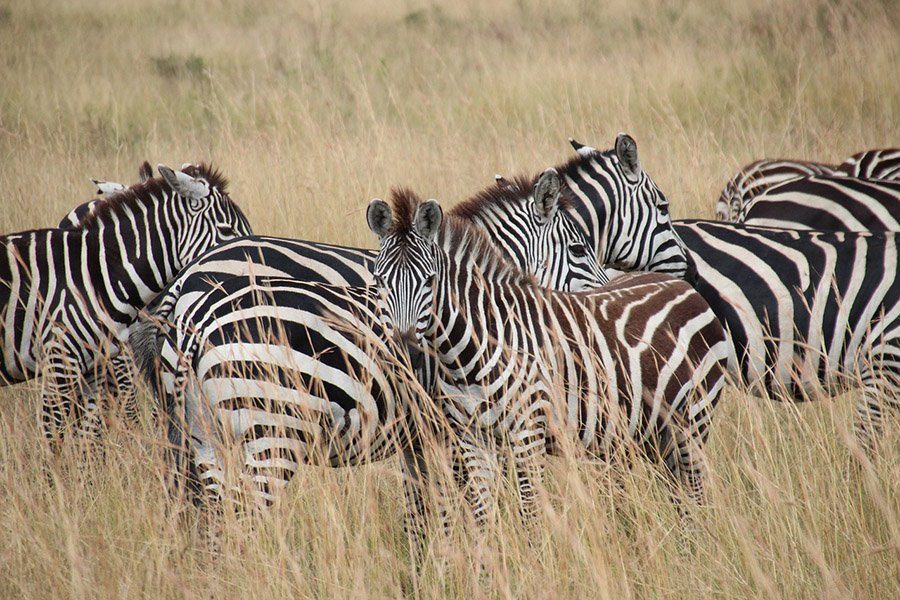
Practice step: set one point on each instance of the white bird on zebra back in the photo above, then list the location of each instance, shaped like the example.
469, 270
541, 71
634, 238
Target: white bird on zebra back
69, 295
639, 361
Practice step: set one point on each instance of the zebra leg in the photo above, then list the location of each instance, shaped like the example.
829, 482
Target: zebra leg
479, 469
881, 390
121, 386
416, 479
61, 381
529, 446
690, 463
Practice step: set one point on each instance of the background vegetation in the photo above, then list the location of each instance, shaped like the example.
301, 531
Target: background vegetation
312, 108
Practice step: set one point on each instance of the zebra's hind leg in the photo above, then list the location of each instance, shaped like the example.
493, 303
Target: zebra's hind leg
880, 378
478, 464
690, 463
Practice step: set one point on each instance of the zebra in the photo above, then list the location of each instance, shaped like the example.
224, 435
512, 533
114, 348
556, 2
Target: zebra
642, 359
828, 204
805, 312
114, 377
521, 210
874, 164
230, 378
68, 296
761, 175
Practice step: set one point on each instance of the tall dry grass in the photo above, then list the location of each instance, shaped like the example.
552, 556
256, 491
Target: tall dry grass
312, 108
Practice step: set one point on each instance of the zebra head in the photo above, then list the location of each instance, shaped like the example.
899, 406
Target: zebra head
208, 215
531, 222
557, 247
406, 268
625, 215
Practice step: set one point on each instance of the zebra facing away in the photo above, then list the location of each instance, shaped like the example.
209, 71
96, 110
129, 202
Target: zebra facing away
758, 177
296, 372
68, 296
641, 359
828, 204
112, 378
805, 312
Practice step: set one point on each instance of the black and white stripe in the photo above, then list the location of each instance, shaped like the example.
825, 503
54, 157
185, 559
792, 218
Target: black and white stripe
828, 204
69, 296
286, 367
806, 312
642, 359
760, 176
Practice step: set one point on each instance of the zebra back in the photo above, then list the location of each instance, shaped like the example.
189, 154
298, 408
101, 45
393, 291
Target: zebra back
883, 163
828, 204
761, 176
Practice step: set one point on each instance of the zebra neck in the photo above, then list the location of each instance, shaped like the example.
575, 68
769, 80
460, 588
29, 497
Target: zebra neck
480, 322
135, 255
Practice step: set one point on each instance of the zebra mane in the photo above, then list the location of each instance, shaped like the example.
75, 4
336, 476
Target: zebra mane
144, 191
459, 239
516, 190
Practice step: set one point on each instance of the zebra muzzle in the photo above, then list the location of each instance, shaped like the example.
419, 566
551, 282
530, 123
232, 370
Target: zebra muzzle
413, 348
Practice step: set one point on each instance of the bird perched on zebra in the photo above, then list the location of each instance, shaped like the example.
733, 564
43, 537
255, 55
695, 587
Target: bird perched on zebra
642, 359
806, 312
104, 189
318, 390
760, 176
69, 295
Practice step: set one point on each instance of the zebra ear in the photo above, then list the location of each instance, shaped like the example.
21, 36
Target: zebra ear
546, 196
380, 218
145, 172
183, 184
427, 219
626, 151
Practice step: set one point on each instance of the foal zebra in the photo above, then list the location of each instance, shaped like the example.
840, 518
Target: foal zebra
758, 177
531, 367
828, 204
288, 370
67, 296
804, 311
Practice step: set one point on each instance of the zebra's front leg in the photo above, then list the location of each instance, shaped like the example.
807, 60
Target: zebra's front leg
528, 439
61, 381
476, 460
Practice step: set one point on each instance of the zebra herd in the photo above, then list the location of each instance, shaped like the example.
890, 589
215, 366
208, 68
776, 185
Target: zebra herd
494, 323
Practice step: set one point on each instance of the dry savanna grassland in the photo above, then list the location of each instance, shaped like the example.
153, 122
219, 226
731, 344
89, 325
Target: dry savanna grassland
311, 108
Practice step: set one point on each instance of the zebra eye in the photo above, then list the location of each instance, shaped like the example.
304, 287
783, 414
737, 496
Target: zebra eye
578, 250
429, 281
663, 209
227, 230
